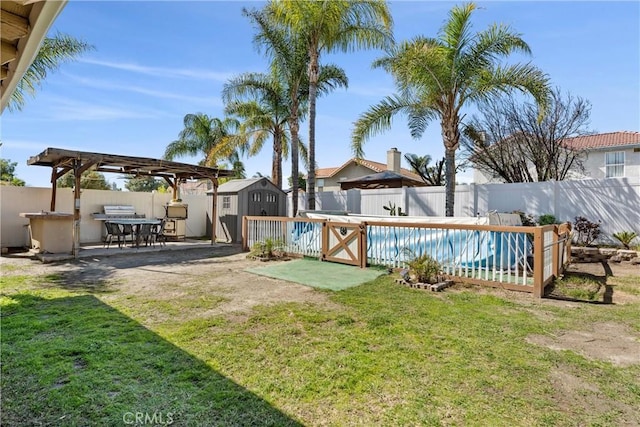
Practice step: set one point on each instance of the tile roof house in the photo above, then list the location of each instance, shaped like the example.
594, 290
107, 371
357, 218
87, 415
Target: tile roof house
328, 179
606, 155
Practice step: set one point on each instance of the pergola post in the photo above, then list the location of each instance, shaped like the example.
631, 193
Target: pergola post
77, 172
214, 206
54, 187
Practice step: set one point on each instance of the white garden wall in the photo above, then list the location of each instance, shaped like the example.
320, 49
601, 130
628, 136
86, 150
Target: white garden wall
15, 200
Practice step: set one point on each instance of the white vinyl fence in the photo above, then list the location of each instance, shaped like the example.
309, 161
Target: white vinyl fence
614, 201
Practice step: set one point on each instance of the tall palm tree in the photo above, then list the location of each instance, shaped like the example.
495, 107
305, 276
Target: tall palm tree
52, 54
327, 26
437, 77
288, 62
201, 136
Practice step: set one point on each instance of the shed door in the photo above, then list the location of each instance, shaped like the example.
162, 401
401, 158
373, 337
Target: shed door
263, 203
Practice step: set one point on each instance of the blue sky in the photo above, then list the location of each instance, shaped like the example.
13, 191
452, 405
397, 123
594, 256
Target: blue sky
154, 62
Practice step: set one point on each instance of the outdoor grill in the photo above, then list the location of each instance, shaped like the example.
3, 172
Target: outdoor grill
117, 212
112, 212
175, 225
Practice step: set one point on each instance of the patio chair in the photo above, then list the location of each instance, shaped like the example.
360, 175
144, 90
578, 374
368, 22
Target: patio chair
128, 230
157, 234
145, 234
113, 230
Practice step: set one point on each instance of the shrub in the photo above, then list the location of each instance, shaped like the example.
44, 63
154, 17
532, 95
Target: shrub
266, 248
585, 231
625, 237
547, 219
423, 269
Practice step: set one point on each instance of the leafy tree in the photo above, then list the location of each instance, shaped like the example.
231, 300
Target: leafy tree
289, 61
7, 173
302, 181
327, 26
204, 135
509, 142
52, 54
437, 77
90, 180
431, 175
145, 184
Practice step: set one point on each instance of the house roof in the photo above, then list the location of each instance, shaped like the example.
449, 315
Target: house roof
24, 25
370, 164
604, 140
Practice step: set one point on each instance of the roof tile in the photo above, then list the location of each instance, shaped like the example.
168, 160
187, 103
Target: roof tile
604, 140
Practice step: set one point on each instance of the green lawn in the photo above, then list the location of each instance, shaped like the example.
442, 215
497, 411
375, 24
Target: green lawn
378, 354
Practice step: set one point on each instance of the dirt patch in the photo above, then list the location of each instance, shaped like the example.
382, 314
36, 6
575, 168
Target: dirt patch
574, 394
216, 272
610, 342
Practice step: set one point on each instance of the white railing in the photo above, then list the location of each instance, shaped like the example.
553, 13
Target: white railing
511, 257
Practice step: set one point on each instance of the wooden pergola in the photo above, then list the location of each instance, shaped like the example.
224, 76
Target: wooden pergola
62, 161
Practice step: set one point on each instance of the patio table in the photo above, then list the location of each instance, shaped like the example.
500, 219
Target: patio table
136, 223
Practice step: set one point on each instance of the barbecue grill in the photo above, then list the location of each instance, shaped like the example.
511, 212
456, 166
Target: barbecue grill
111, 212
117, 212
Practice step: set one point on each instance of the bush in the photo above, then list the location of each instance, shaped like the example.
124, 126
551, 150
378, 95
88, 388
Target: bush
625, 237
585, 231
547, 219
423, 269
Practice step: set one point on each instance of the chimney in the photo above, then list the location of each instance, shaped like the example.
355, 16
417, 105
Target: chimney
393, 160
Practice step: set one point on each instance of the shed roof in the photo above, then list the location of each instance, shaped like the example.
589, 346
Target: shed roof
236, 185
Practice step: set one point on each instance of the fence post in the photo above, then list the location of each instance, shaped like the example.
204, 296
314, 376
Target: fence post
538, 262
245, 237
555, 263
362, 242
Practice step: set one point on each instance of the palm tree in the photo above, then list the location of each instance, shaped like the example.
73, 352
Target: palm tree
437, 77
431, 175
288, 63
203, 135
53, 53
261, 102
327, 26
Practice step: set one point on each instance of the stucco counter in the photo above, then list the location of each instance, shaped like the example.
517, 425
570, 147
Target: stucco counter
51, 232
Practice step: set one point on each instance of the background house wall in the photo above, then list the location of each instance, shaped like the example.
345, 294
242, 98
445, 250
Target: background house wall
594, 162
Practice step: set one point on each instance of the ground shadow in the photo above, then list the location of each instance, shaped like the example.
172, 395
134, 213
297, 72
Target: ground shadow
78, 361
96, 274
607, 295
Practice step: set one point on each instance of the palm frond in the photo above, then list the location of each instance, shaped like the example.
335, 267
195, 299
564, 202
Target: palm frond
54, 52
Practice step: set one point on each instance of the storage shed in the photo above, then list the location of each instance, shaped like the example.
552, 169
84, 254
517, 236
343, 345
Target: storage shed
246, 197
